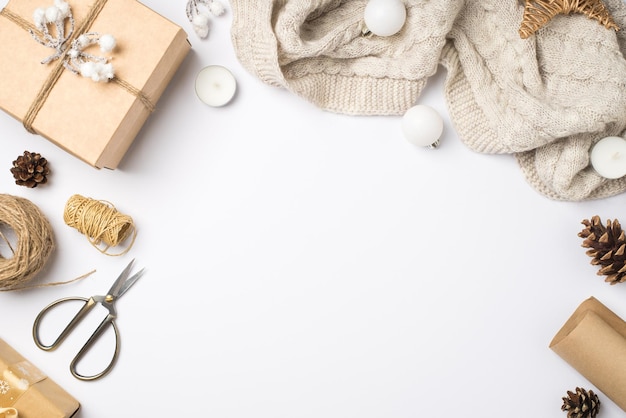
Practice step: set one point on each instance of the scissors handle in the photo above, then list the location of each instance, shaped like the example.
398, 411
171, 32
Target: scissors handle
80, 315
108, 320
89, 304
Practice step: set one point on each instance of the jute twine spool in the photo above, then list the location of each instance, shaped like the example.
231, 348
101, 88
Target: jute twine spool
100, 221
35, 241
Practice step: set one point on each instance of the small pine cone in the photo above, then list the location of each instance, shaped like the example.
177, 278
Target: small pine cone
607, 248
30, 170
581, 404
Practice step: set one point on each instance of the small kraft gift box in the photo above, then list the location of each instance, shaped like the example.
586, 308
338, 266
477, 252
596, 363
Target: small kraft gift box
86, 74
28, 393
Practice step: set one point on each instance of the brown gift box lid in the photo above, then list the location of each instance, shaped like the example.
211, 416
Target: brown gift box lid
95, 121
25, 388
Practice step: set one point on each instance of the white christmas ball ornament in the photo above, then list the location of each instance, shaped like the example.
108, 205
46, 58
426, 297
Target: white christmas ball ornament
384, 17
422, 126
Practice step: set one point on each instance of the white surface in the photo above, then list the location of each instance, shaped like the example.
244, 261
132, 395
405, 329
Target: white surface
307, 264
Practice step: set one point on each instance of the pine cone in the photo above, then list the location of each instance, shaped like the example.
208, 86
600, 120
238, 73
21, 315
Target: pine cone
607, 248
30, 170
581, 404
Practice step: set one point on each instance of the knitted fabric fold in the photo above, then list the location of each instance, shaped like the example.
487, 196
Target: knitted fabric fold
547, 99
579, 181
315, 50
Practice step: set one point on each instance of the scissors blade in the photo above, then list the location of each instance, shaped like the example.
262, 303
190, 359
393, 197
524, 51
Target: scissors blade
119, 282
128, 283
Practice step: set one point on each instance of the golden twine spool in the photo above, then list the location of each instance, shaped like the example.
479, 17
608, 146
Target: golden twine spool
35, 241
100, 221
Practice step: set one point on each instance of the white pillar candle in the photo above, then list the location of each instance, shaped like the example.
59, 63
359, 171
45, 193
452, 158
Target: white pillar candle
608, 157
384, 17
422, 126
215, 85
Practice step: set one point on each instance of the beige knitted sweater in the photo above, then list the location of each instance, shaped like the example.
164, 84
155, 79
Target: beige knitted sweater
547, 99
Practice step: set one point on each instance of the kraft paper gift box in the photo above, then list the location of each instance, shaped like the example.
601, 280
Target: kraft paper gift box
25, 390
593, 341
95, 121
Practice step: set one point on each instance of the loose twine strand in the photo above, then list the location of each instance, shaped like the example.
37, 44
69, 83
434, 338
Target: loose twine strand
100, 221
35, 243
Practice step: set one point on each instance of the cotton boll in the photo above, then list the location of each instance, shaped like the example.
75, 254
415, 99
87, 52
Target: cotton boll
52, 14
96, 76
216, 8
64, 8
39, 17
107, 72
202, 32
200, 20
97, 71
83, 41
107, 43
87, 69
201, 25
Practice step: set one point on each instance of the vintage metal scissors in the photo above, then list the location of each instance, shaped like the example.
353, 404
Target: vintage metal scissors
120, 286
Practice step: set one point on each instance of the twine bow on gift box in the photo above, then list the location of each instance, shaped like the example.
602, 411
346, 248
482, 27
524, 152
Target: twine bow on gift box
70, 44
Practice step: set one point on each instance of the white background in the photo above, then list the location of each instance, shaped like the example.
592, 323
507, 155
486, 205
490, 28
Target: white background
307, 264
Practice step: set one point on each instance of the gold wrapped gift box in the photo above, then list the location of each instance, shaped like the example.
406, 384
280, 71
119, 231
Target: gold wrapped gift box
24, 389
95, 121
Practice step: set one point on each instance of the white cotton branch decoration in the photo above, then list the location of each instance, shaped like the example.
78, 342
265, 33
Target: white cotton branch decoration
75, 59
199, 13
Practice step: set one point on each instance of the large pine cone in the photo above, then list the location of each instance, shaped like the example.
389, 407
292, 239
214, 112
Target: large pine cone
30, 170
607, 247
581, 404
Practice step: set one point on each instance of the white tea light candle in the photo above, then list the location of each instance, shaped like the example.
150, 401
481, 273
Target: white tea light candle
422, 126
215, 85
608, 157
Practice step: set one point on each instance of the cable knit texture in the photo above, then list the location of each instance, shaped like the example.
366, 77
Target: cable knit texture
315, 49
547, 99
